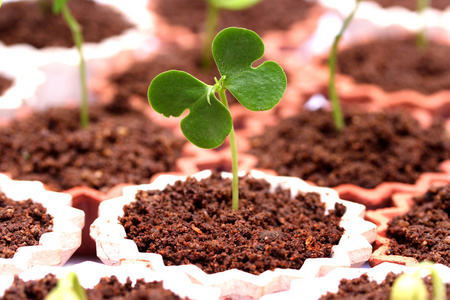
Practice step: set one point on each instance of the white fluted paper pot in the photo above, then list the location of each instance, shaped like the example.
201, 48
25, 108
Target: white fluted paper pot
55, 247
353, 250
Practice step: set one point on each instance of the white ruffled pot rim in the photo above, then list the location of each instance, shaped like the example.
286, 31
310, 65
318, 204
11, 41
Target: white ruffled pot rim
25, 82
60, 64
370, 14
353, 250
89, 274
55, 247
310, 289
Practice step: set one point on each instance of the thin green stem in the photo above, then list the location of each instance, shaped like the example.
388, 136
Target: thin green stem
212, 21
234, 155
78, 40
421, 35
334, 97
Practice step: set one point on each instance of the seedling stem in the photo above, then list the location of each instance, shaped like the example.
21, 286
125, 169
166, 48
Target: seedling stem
334, 97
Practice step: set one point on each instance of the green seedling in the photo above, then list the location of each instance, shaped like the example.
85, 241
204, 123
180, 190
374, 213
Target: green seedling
212, 23
209, 120
332, 91
61, 7
412, 287
421, 35
67, 288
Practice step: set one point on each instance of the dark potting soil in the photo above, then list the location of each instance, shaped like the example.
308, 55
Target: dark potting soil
264, 16
192, 222
424, 231
371, 149
363, 288
107, 288
396, 64
412, 4
21, 224
119, 146
5, 84
30, 22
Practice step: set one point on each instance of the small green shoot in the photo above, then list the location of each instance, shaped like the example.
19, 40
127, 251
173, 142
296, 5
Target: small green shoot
209, 120
67, 288
412, 287
212, 21
61, 7
334, 98
421, 35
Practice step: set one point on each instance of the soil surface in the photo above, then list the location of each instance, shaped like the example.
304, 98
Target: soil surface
21, 224
426, 71
192, 222
119, 146
30, 22
363, 288
5, 84
107, 288
371, 149
264, 16
424, 231
412, 4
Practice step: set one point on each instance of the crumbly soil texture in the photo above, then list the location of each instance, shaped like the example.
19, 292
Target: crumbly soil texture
264, 16
398, 64
424, 231
412, 4
363, 288
5, 84
120, 145
21, 224
371, 149
30, 22
107, 288
191, 222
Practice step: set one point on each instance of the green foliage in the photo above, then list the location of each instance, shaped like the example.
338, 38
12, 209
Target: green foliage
58, 5
412, 287
212, 21
67, 288
334, 98
233, 4
61, 7
209, 120
421, 35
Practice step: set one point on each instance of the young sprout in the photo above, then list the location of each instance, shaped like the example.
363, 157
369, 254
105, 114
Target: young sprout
67, 288
61, 7
209, 120
212, 21
421, 35
334, 98
412, 287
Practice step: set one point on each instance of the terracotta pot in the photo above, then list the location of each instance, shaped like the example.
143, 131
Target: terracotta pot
90, 273
314, 288
55, 247
353, 250
401, 203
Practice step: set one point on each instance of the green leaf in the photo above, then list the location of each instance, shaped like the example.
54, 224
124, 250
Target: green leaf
57, 5
235, 50
233, 4
207, 124
67, 288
